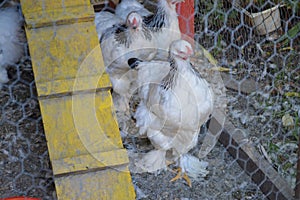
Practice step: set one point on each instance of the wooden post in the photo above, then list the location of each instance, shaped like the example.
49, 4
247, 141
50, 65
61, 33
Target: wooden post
185, 11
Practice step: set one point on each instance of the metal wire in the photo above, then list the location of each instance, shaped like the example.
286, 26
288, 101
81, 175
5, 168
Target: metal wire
263, 93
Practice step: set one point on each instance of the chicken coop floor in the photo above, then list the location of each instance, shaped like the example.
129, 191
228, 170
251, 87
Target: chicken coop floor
25, 168
226, 180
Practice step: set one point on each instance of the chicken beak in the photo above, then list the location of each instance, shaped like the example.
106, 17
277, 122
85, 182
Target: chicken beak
135, 23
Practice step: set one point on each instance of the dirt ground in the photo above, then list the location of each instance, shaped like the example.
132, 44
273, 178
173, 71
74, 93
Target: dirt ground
26, 169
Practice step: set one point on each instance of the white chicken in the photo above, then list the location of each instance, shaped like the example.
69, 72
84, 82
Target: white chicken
172, 111
11, 40
118, 44
145, 38
127, 6
164, 25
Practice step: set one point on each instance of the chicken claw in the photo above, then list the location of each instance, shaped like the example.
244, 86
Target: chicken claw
181, 175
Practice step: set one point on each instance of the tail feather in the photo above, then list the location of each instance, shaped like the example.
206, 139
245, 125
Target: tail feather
143, 118
153, 161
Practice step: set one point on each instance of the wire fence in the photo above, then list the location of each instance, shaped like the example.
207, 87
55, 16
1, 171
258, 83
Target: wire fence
257, 152
263, 86
25, 168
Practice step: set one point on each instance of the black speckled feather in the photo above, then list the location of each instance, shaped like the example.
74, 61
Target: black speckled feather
196, 72
156, 21
117, 28
122, 34
169, 80
147, 33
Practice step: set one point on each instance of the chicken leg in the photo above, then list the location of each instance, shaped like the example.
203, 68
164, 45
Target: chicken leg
181, 175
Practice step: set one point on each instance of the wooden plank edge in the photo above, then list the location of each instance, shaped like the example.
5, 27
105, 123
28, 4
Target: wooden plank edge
38, 18
109, 184
121, 168
261, 172
71, 86
81, 92
41, 24
90, 162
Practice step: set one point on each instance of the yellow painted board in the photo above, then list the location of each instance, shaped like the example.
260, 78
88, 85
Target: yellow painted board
46, 13
92, 161
66, 53
80, 124
46, 5
83, 139
111, 184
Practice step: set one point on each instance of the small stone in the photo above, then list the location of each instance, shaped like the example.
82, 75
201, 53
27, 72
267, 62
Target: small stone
287, 120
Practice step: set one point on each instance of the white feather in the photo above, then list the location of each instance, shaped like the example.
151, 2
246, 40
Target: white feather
11, 40
3, 75
127, 6
172, 116
105, 20
143, 118
116, 54
170, 30
152, 161
150, 73
193, 166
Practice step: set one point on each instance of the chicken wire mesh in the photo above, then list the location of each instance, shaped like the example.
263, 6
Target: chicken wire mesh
24, 160
262, 82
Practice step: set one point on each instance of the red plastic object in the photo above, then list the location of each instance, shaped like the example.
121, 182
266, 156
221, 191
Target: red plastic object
185, 11
20, 198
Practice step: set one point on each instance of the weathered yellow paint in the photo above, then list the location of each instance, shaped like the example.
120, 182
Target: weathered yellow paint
81, 132
94, 185
84, 121
65, 86
90, 161
85, 148
45, 13
67, 58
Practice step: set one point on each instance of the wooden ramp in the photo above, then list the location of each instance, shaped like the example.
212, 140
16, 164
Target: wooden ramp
85, 148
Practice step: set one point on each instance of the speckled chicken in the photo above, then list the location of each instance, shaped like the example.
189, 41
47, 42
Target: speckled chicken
164, 25
143, 37
172, 110
118, 44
